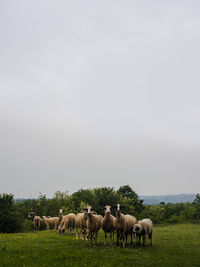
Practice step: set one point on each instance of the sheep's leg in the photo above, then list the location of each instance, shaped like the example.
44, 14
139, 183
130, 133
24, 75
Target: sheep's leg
39, 225
87, 234
82, 236
139, 239
131, 238
77, 232
117, 238
150, 237
126, 237
47, 226
91, 239
111, 238
144, 239
105, 242
123, 238
95, 238
59, 229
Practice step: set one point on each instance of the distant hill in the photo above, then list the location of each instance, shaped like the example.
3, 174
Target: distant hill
154, 200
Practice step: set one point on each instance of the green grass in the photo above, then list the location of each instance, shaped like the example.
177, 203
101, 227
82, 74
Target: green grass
176, 245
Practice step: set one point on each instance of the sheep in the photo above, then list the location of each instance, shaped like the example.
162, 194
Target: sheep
68, 221
60, 217
108, 224
120, 225
130, 222
36, 220
143, 228
124, 225
93, 224
50, 221
80, 222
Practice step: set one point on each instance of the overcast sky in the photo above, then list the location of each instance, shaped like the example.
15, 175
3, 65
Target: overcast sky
99, 93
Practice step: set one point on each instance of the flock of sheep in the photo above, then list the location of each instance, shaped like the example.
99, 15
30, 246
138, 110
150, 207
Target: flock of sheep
87, 224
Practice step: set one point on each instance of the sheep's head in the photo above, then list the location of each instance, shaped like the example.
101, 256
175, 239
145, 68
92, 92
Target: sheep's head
89, 209
118, 210
31, 215
107, 209
43, 218
137, 228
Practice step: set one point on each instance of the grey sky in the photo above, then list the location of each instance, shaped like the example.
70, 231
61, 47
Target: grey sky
99, 93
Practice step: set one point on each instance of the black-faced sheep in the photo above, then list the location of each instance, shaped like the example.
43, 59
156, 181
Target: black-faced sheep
93, 224
143, 228
108, 224
36, 220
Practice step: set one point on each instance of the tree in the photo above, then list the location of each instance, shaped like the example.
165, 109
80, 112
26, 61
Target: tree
196, 204
9, 221
133, 204
83, 196
105, 196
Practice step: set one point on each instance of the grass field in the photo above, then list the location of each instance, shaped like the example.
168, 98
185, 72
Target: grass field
176, 245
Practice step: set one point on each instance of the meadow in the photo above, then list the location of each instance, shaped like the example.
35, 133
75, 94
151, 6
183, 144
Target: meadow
174, 245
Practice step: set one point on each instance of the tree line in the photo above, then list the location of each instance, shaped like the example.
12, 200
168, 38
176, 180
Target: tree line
13, 214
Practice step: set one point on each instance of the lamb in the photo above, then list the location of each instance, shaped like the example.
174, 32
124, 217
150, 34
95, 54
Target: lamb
108, 224
93, 225
36, 220
68, 221
124, 225
143, 228
50, 221
80, 222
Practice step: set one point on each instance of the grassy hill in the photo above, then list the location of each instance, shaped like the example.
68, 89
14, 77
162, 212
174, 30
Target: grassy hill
176, 245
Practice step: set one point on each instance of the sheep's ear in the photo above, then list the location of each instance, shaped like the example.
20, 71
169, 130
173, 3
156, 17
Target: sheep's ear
94, 212
114, 207
85, 209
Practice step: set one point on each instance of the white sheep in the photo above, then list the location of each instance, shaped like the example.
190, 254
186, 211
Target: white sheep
60, 217
80, 222
124, 225
108, 224
143, 228
120, 226
36, 220
68, 222
130, 223
50, 221
93, 224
